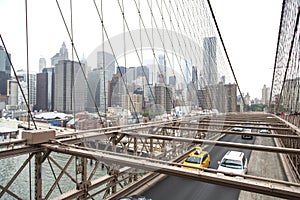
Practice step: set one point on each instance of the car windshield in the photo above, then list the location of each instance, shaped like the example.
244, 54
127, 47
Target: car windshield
193, 159
235, 164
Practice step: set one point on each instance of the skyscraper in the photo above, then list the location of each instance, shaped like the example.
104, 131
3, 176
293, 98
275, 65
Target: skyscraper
162, 69
195, 77
172, 81
62, 55
117, 89
187, 72
42, 64
210, 70
163, 96
142, 71
41, 92
4, 70
45, 89
231, 98
121, 70
265, 95
69, 87
106, 67
12, 93
23, 79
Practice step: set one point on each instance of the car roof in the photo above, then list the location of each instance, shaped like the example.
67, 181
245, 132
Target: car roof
198, 152
237, 129
234, 155
264, 130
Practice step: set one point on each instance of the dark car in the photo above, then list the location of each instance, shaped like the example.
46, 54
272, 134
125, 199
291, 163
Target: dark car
247, 130
134, 197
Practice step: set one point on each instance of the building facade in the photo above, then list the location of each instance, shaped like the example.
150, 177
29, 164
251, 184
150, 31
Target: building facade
222, 97
42, 64
265, 95
106, 66
23, 79
61, 55
69, 87
5, 70
210, 70
45, 90
133, 102
163, 96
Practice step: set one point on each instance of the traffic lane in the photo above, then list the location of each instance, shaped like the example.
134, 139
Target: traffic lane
217, 152
177, 188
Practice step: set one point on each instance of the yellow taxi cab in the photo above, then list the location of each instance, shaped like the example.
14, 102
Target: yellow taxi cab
197, 158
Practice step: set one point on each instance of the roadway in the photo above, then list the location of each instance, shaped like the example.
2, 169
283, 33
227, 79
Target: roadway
177, 188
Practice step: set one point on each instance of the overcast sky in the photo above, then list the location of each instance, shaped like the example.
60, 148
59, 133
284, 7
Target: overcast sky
249, 29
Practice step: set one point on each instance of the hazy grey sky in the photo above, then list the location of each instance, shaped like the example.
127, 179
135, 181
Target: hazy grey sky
249, 29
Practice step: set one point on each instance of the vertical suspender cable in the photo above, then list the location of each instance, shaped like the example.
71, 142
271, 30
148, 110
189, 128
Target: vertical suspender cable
104, 62
73, 101
28, 94
105, 66
28, 85
77, 56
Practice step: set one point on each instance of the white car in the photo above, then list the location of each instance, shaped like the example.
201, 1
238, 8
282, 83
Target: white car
265, 131
234, 162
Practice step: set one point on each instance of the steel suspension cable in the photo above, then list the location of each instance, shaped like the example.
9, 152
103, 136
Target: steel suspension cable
135, 47
225, 50
18, 81
109, 42
27, 61
154, 55
73, 100
170, 39
77, 56
161, 40
289, 57
277, 50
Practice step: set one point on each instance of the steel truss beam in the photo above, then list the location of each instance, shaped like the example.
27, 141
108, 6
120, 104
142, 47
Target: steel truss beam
263, 187
5, 189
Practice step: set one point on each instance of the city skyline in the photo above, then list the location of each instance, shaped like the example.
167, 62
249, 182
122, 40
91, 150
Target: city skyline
256, 30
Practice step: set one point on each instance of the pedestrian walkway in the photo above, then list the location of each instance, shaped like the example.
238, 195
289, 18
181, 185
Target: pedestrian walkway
263, 164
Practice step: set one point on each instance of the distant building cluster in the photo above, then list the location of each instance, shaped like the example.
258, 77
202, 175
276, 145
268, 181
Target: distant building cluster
72, 87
